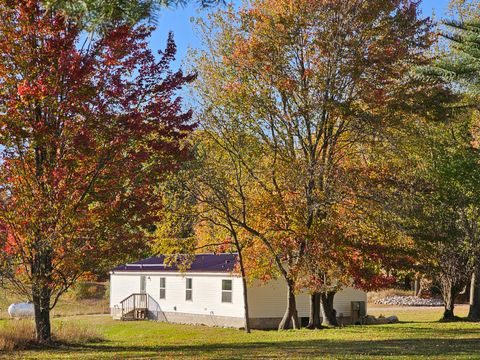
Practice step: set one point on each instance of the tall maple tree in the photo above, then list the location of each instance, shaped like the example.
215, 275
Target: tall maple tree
88, 127
312, 81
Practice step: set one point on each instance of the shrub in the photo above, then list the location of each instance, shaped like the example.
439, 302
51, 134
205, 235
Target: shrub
88, 290
107, 292
20, 334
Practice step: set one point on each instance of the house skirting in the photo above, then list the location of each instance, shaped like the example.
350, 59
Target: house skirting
216, 320
272, 323
197, 319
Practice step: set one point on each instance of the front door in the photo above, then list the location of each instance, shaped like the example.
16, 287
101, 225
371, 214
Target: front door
142, 299
143, 289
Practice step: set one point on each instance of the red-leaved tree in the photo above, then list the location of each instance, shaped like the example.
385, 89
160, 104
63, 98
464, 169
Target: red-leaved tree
88, 127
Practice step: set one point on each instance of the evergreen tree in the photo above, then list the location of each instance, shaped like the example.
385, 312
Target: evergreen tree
461, 63
96, 15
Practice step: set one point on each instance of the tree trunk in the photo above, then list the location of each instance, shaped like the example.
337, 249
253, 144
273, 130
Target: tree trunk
41, 292
474, 310
329, 313
290, 319
449, 304
314, 321
42, 264
245, 289
41, 304
407, 283
417, 288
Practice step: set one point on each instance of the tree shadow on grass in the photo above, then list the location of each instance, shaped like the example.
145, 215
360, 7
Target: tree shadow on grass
283, 349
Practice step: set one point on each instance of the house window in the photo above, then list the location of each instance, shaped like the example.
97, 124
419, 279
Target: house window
162, 288
188, 290
226, 291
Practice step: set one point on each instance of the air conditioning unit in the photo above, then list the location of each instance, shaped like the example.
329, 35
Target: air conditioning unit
358, 312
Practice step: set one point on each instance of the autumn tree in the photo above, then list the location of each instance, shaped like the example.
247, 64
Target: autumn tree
87, 131
220, 186
210, 191
464, 10
361, 245
312, 81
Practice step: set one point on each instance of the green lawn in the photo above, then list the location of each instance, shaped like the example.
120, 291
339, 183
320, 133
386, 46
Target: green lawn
417, 336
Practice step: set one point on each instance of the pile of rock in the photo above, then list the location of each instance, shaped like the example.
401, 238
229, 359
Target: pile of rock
409, 301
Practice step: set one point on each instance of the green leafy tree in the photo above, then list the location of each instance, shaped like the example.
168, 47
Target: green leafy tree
433, 197
459, 65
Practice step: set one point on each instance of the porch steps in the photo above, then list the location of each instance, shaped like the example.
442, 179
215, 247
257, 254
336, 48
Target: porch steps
134, 307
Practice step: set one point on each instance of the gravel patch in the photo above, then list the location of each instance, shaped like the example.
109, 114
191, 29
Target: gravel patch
409, 301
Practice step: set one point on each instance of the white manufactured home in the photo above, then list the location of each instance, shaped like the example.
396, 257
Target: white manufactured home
208, 293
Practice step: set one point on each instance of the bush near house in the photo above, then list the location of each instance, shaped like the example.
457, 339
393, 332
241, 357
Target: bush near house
89, 290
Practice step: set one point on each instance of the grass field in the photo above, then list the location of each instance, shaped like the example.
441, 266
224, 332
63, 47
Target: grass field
419, 335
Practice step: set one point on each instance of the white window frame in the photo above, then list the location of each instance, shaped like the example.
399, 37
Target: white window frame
164, 288
227, 291
188, 289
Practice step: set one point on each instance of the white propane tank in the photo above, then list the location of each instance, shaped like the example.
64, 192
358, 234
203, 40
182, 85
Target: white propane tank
21, 310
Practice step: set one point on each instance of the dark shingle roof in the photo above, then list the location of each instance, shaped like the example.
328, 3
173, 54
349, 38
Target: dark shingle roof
202, 263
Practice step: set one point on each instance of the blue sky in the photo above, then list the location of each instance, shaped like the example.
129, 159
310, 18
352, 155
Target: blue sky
178, 21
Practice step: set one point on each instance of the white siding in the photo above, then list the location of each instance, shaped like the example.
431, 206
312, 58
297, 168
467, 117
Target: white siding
270, 300
265, 300
343, 299
207, 292
122, 287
